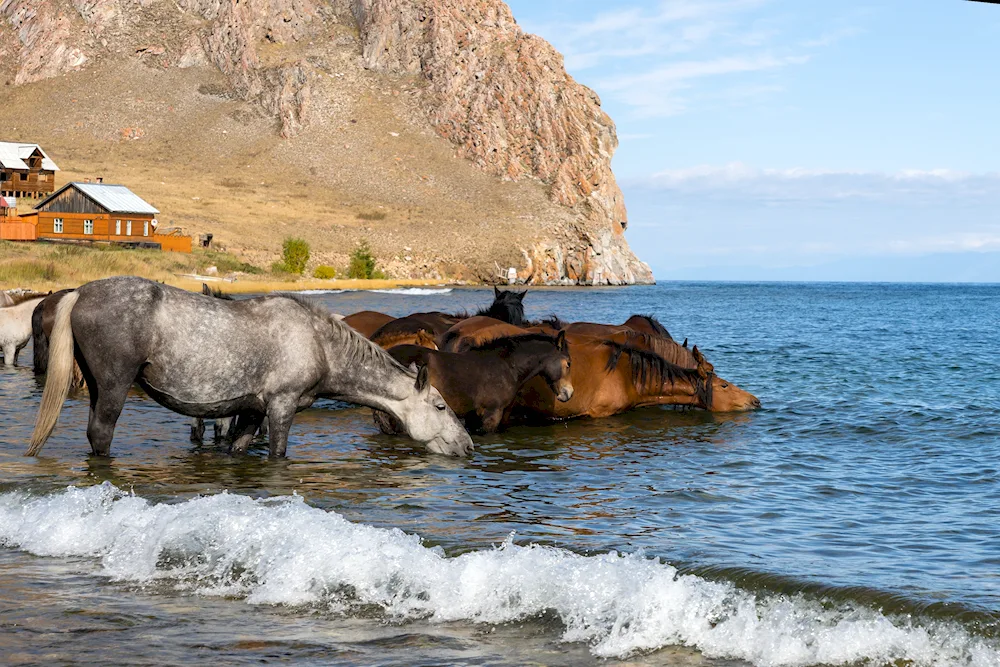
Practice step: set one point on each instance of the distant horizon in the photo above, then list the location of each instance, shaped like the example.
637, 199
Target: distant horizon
766, 137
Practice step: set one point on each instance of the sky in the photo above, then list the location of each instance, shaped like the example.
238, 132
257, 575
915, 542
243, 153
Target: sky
791, 140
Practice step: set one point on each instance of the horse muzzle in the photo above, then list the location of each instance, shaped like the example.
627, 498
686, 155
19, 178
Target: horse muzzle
564, 394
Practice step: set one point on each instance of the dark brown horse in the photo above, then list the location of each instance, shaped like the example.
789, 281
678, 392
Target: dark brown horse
481, 384
367, 322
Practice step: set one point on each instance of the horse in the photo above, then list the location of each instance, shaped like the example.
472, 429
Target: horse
480, 329
432, 323
507, 307
421, 338
222, 428
15, 325
610, 377
270, 356
480, 385
367, 322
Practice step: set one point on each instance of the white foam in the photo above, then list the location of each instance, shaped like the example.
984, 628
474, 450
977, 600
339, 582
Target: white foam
409, 291
282, 551
415, 291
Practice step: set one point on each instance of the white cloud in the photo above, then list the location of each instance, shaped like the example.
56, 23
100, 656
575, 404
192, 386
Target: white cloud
632, 55
737, 181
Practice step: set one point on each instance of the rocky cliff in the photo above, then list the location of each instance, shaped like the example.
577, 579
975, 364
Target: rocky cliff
499, 96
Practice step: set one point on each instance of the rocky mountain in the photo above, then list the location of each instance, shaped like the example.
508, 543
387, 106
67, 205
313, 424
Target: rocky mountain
390, 102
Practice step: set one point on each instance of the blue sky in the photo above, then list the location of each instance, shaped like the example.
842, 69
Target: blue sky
781, 139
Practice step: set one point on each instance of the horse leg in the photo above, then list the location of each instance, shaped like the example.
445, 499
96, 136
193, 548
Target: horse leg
223, 428
280, 413
105, 407
9, 354
387, 423
197, 430
247, 424
490, 419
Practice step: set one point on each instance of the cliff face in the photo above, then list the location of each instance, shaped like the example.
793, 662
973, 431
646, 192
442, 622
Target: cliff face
500, 96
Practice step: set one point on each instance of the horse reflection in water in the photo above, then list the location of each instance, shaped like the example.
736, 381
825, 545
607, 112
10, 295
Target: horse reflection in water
210, 358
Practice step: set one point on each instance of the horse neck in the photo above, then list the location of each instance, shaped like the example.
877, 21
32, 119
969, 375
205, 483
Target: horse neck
680, 391
528, 358
366, 374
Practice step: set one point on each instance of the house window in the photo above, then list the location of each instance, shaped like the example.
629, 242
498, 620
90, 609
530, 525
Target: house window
128, 228
57, 225
118, 227
145, 228
88, 226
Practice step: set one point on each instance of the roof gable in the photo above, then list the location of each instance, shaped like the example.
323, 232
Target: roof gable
13, 156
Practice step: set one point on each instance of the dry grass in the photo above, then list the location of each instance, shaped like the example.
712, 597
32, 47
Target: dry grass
368, 166
45, 266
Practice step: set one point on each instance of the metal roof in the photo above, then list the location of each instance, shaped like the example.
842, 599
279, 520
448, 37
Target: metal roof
13, 156
113, 198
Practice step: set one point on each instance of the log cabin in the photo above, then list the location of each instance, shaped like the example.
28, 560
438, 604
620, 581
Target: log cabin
99, 212
25, 170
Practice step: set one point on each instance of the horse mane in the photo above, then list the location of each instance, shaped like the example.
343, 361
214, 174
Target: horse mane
552, 321
358, 350
654, 323
18, 299
422, 338
217, 293
650, 371
506, 345
656, 344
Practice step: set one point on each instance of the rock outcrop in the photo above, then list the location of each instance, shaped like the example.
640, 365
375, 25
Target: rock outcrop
501, 96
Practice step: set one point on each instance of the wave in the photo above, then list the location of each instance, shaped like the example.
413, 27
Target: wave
409, 291
415, 291
284, 552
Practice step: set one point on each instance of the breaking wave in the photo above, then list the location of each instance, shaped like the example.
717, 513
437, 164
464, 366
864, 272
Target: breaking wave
415, 291
409, 291
284, 552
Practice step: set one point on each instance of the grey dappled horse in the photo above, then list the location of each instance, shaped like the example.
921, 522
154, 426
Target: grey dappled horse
210, 358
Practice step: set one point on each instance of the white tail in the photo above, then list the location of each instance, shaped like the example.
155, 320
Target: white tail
59, 375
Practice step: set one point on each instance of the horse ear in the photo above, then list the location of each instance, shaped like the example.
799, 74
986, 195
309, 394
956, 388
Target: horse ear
561, 342
423, 377
520, 295
496, 292
685, 343
704, 367
206, 290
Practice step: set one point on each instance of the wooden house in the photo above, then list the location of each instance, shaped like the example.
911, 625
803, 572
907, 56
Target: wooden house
25, 170
99, 212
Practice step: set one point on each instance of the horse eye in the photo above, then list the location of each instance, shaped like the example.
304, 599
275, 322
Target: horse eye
440, 406
725, 386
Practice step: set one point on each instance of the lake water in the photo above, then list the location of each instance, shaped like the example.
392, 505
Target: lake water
854, 520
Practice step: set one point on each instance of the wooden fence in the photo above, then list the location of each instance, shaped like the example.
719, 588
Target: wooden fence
12, 229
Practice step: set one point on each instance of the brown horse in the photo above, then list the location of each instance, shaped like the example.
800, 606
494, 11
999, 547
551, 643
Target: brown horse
481, 384
480, 329
610, 377
420, 338
433, 323
367, 322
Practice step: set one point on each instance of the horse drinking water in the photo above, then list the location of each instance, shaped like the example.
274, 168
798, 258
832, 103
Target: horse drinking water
269, 356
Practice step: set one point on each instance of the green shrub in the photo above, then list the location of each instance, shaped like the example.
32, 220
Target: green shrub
279, 267
324, 272
363, 263
295, 253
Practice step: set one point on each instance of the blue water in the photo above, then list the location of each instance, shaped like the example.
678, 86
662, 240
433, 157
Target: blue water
866, 490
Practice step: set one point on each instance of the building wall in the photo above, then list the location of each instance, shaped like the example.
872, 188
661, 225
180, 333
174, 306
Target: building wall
104, 226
